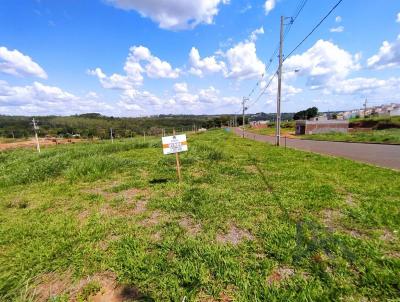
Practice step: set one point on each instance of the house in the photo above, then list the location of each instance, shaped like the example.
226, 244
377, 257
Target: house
324, 126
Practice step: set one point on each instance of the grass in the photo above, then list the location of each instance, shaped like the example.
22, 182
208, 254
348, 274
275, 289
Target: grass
250, 222
270, 130
388, 136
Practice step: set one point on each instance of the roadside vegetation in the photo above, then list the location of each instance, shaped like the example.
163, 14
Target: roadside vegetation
388, 136
384, 130
249, 222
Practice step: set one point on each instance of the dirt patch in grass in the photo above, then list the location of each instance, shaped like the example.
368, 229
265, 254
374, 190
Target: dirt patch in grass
128, 195
18, 204
51, 285
82, 216
226, 295
110, 291
190, 226
251, 169
387, 236
350, 200
331, 219
154, 218
280, 274
101, 287
234, 236
104, 244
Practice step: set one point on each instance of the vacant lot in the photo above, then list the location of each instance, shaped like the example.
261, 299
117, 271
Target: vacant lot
388, 136
250, 222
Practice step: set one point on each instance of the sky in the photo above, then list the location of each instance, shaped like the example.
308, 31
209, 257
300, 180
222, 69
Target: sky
139, 58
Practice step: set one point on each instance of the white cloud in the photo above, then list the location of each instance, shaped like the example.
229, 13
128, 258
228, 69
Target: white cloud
246, 8
207, 65
398, 18
138, 55
177, 14
43, 99
366, 86
254, 34
324, 62
388, 55
243, 62
116, 81
155, 68
338, 19
209, 95
203, 100
180, 87
338, 29
16, 63
269, 6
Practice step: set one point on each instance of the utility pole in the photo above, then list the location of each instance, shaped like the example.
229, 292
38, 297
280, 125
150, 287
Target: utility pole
365, 108
243, 113
278, 99
36, 128
111, 136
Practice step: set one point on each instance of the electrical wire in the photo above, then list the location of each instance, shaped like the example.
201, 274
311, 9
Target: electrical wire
314, 29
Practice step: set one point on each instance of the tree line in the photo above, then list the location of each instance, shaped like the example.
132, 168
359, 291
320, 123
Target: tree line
94, 125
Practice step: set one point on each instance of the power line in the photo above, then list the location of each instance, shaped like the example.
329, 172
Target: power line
314, 29
296, 13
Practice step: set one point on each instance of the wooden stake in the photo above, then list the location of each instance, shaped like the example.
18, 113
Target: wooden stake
178, 165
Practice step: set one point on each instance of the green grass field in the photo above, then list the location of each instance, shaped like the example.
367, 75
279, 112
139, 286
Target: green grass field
271, 131
388, 136
250, 222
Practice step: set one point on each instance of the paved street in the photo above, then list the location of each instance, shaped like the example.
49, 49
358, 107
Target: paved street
378, 154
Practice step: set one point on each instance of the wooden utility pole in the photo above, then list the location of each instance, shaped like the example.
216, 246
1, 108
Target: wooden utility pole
111, 136
365, 108
244, 109
36, 128
278, 99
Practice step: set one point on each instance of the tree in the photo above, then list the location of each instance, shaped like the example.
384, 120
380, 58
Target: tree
306, 114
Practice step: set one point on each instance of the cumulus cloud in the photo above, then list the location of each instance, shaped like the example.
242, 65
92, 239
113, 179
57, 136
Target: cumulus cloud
338, 19
155, 68
16, 63
180, 87
338, 29
239, 62
204, 100
207, 65
323, 63
387, 56
269, 5
43, 99
398, 18
368, 86
139, 61
177, 14
243, 62
254, 34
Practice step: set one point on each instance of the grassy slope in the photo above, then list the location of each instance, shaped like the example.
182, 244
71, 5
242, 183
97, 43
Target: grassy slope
388, 136
271, 131
321, 217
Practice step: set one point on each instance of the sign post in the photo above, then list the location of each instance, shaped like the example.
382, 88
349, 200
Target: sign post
175, 144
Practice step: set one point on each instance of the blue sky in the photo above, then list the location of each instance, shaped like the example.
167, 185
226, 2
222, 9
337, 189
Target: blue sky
135, 58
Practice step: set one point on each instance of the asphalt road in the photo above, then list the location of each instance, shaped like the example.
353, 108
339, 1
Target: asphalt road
377, 154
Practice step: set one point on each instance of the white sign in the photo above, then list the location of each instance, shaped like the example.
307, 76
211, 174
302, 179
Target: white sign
174, 144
